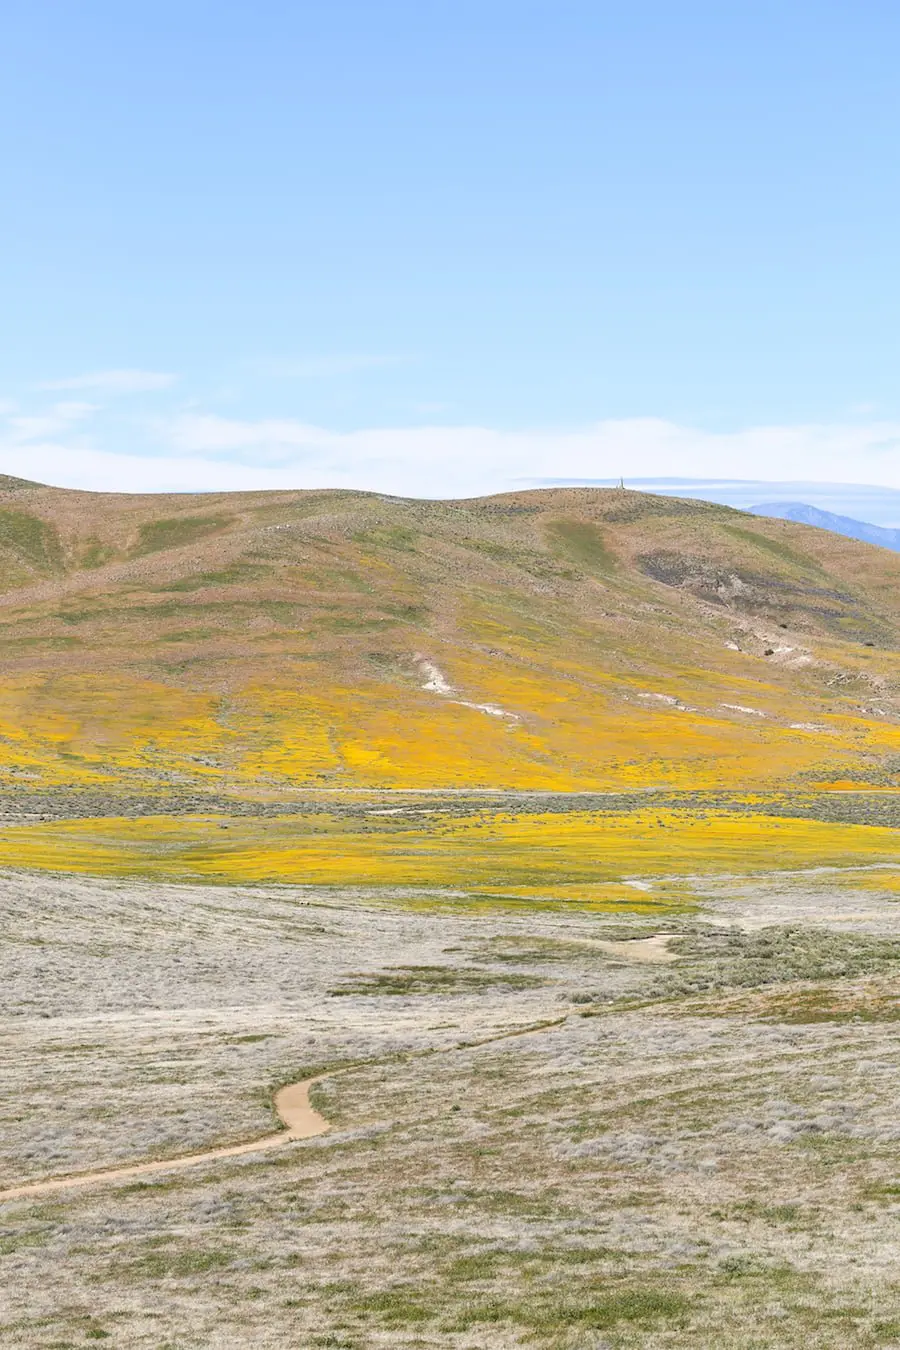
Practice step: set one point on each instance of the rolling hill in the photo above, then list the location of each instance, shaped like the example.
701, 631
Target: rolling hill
563, 640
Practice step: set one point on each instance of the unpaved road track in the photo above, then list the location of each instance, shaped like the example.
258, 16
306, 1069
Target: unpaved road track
292, 1103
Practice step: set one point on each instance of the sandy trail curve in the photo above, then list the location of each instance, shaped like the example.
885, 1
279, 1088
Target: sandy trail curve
292, 1103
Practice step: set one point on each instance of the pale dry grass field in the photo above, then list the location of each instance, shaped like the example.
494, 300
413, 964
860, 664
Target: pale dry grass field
703, 1152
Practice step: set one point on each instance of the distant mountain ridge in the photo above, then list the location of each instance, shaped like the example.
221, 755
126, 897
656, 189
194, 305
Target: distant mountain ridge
803, 514
875, 503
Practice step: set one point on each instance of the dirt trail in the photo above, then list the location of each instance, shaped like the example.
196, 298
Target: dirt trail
291, 1103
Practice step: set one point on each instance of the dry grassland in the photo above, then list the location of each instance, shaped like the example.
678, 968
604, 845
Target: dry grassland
699, 1152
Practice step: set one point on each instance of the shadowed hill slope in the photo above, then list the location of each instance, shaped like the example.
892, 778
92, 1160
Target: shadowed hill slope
253, 643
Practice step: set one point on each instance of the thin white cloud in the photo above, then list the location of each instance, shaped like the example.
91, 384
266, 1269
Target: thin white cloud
269, 438
96, 470
114, 381
325, 367
56, 421
208, 452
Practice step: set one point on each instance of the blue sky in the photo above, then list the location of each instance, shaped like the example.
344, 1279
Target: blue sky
448, 247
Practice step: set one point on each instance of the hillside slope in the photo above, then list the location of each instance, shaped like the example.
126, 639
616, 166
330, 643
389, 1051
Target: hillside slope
566, 639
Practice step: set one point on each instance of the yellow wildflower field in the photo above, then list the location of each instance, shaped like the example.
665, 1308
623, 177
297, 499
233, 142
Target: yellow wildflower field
533, 733
580, 856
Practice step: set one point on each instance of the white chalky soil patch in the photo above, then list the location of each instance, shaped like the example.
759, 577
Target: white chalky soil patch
437, 683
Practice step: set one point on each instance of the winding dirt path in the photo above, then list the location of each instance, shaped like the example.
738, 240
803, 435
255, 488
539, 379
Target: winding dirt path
303, 1121
292, 1104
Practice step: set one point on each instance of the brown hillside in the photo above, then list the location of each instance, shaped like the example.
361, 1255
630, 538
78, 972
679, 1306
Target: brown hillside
555, 639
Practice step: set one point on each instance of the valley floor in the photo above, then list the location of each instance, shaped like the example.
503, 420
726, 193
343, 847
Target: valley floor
541, 1134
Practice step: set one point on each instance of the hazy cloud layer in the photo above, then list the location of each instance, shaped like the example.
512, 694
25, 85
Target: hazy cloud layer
325, 367
114, 381
195, 451
447, 461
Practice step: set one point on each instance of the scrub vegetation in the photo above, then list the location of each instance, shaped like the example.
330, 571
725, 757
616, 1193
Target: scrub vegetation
541, 1135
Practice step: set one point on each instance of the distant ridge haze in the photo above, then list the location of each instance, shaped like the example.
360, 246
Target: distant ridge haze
804, 514
862, 502
784, 501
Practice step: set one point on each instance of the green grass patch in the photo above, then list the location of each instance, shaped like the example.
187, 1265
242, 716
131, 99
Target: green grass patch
190, 635
886, 1191
809, 1006
583, 543
396, 537
350, 623
96, 554
17, 1242
225, 576
398, 1307
783, 552
159, 1261
403, 981
733, 959
156, 535
33, 540
644, 1307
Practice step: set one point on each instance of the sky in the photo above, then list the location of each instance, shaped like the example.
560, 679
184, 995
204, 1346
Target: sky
441, 247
